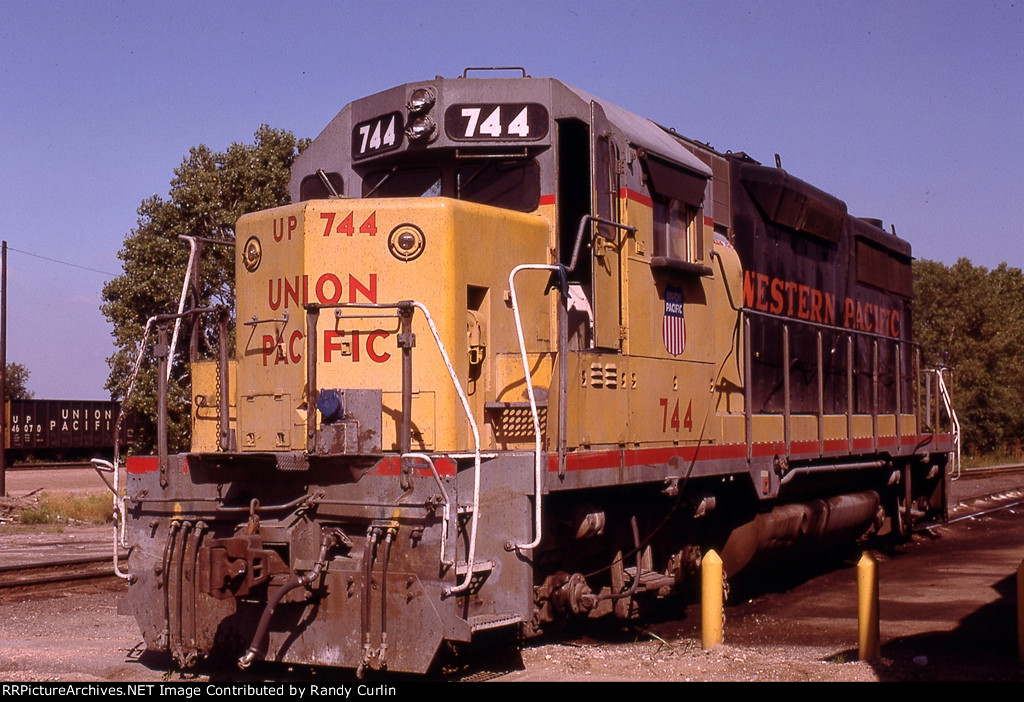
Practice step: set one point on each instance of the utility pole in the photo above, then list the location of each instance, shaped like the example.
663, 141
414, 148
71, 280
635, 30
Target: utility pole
3, 371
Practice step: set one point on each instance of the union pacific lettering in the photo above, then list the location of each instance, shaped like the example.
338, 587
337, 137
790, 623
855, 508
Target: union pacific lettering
284, 228
336, 344
785, 297
327, 288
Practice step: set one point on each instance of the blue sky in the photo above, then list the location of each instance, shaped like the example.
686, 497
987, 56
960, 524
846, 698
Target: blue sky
909, 111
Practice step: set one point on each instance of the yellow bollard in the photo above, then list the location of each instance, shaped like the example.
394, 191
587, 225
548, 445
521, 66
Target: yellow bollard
1020, 611
867, 607
710, 600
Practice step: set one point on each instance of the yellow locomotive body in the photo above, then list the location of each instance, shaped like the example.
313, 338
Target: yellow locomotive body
515, 355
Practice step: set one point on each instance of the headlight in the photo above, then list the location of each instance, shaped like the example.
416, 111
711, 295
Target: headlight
420, 128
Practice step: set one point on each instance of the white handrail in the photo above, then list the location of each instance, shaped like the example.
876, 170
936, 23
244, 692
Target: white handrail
102, 467
948, 402
537, 475
181, 300
473, 522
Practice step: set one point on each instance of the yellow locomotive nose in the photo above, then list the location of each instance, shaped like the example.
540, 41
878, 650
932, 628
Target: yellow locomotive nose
349, 260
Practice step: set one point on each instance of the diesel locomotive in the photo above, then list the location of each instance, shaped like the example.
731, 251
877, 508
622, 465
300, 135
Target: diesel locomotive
515, 355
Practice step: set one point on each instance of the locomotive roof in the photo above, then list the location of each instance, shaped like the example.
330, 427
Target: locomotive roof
332, 148
645, 133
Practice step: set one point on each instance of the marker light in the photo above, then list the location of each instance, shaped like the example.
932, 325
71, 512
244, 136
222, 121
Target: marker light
406, 242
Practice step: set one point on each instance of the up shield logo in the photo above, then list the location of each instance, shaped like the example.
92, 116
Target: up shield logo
673, 326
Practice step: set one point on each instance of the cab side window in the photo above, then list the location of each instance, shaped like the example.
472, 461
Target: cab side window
673, 228
676, 197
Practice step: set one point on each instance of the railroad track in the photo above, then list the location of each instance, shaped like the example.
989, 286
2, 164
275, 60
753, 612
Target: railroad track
987, 471
56, 572
50, 466
1001, 502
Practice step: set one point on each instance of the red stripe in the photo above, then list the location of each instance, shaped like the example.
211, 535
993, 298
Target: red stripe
627, 194
597, 460
392, 465
140, 465
547, 199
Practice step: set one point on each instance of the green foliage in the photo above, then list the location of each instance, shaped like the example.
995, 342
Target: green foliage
209, 192
16, 378
971, 319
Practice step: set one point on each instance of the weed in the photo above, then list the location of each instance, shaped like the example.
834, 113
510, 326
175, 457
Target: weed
63, 508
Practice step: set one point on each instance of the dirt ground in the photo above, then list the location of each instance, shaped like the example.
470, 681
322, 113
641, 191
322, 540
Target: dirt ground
89, 641
947, 605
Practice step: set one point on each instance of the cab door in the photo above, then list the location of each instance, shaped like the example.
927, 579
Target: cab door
605, 242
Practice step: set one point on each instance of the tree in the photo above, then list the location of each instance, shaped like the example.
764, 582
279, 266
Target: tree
971, 320
209, 192
16, 377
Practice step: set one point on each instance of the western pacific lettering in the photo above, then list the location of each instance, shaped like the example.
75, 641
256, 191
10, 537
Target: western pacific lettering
791, 299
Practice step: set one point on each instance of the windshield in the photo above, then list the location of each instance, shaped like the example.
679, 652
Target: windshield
397, 182
510, 184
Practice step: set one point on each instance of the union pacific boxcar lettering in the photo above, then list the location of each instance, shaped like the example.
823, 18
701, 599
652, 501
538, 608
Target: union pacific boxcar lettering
25, 424
62, 429
328, 290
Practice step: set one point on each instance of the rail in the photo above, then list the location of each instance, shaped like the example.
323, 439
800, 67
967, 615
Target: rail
951, 413
849, 366
55, 572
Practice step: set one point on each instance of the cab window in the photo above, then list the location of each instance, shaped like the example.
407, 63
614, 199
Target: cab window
412, 182
673, 229
512, 185
677, 194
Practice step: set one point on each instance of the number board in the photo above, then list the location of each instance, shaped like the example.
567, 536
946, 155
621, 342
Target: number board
377, 135
488, 122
